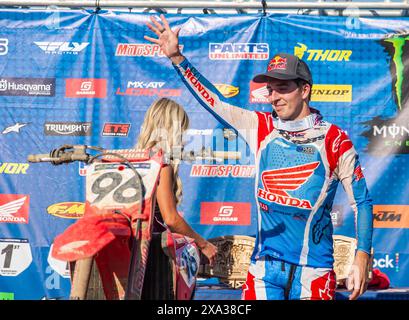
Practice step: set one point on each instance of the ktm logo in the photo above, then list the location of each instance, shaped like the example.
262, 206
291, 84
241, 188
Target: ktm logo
391, 216
277, 182
227, 90
68, 210
277, 63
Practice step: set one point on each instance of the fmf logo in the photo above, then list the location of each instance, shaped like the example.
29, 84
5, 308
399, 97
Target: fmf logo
62, 47
140, 88
387, 262
140, 50
116, 129
221, 171
391, 216
277, 182
68, 210
86, 88
4, 46
232, 213
321, 55
14, 208
238, 51
227, 90
13, 168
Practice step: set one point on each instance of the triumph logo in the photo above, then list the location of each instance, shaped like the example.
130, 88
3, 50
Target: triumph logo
62, 47
27, 87
67, 129
277, 182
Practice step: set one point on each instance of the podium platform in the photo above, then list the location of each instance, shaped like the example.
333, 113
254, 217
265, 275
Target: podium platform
212, 289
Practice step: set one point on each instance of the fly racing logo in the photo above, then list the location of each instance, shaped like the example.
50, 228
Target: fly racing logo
61, 47
277, 182
14, 208
14, 128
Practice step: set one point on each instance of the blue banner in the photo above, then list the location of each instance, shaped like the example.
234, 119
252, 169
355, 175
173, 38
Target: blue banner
80, 77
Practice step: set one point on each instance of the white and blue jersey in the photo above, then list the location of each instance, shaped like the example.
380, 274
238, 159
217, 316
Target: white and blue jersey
298, 168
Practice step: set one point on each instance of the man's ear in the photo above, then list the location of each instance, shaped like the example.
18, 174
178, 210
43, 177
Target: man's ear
306, 91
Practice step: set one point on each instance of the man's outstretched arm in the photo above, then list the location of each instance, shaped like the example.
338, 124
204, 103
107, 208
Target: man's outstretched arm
244, 121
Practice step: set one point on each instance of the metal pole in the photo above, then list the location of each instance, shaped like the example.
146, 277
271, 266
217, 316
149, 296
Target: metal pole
205, 4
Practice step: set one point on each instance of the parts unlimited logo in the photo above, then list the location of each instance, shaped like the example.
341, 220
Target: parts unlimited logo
332, 55
238, 51
391, 136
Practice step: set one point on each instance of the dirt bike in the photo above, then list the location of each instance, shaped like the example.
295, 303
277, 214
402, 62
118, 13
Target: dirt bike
113, 240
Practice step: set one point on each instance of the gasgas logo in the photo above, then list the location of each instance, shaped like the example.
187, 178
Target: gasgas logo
332, 55
277, 182
67, 210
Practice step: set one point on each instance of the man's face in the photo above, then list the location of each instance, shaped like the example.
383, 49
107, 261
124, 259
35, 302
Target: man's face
286, 98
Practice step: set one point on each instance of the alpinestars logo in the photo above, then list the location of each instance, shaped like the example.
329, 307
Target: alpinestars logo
14, 128
61, 47
277, 182
14, 208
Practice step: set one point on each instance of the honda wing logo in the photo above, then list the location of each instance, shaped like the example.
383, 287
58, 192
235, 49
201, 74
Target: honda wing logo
8, 211
62, 47
277, 182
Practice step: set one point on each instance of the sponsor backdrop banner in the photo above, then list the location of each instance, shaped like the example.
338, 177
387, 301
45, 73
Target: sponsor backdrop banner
80, 77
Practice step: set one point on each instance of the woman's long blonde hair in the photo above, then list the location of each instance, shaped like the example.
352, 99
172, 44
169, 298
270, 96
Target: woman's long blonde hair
163, 127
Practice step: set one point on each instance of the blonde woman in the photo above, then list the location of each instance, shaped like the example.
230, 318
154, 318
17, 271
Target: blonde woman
163, 127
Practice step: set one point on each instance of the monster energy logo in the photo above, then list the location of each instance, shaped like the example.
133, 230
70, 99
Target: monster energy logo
391, 136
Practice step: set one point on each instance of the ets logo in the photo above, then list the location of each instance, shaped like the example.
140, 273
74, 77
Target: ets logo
116, 129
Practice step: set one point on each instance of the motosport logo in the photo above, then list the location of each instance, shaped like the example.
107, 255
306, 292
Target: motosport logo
86, 88
319, 93
27, 87
140, 50
222, 171
116, 129
13, 168
227, 90
67, 128
150, 89
67, 210
4, 46
238, 51
391, 216
302, 52
14, 208
225, 213
58, 47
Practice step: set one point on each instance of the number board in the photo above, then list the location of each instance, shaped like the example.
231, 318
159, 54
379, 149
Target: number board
114, 185
15, 256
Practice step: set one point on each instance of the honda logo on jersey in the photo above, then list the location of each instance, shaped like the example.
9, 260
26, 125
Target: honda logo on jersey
277, 182
14, 208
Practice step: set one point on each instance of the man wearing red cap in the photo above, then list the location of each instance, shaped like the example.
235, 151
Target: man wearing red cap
300, 160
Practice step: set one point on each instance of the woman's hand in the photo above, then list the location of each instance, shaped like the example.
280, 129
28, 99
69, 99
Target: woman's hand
210, 251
